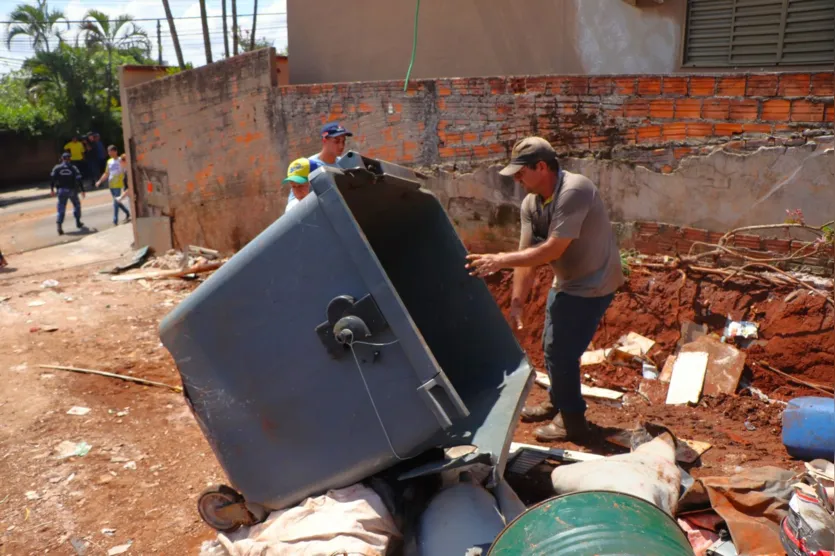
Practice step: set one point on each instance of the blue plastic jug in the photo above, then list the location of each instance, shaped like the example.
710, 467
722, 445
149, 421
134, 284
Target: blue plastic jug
809, 428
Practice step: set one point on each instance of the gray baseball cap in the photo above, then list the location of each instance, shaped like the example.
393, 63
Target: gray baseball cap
528, 151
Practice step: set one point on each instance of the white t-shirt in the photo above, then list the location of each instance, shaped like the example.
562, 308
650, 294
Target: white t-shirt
291, 204
115, 178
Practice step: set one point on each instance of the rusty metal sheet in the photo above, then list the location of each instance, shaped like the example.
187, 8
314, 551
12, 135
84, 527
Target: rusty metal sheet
752, 503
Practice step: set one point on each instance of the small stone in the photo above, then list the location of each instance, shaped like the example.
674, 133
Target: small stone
130, 465
121, 549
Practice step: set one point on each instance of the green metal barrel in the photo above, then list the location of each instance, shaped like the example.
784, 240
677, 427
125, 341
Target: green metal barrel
592, 523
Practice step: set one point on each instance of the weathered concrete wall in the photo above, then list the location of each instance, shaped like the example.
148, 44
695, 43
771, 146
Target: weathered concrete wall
716, 192
465, 38
723, 190
203, 151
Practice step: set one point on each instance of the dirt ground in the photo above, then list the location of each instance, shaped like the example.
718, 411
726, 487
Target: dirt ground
795, 335
148, 460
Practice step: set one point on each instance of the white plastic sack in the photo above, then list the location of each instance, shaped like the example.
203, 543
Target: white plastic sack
650, 473
351, 520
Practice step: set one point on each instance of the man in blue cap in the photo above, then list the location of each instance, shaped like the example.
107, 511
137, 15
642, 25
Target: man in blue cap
334, 137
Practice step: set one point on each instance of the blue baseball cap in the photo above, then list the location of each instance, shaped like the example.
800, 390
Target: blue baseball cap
333, 129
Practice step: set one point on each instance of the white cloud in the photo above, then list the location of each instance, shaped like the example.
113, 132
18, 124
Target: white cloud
189, 31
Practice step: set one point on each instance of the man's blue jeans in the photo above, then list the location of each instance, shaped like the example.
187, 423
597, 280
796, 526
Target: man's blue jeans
570, 324
65, 195
117, 205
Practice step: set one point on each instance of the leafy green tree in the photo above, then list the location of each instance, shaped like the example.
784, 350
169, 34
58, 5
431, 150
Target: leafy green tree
37, 22
246, 44
21, 112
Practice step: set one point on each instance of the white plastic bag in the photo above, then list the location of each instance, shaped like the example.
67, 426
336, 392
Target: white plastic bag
349, 520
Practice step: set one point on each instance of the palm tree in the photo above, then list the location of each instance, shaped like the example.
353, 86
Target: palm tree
37, 22
207, 43
174, 38
234, 27
120, 34
61, 77
254, 21
225, 29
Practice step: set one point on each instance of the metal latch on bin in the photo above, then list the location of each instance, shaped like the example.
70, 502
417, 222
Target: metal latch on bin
349, 320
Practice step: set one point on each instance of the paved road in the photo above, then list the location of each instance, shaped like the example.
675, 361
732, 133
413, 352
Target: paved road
31, 225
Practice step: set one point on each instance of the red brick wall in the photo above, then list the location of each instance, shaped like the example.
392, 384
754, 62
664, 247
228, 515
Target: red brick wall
203, 151
646, 118
210, 146
667, 239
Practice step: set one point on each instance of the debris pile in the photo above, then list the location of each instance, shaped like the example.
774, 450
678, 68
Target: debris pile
716, 359
173, 264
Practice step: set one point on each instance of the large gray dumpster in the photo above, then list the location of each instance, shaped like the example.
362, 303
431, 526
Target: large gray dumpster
346, 338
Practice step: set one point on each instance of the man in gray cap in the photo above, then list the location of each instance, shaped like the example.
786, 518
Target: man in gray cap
564, 224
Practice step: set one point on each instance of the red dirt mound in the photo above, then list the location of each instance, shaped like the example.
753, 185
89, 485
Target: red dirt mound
795, 327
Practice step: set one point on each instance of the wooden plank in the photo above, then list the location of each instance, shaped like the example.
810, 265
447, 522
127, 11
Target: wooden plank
543, 380
688, 378
156, 274
667, 371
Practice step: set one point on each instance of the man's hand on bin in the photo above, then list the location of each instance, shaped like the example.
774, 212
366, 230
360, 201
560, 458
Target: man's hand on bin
484, 265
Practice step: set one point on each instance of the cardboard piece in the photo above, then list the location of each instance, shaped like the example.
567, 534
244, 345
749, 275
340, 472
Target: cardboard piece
724, 365
594, 357
688, 378
643, 343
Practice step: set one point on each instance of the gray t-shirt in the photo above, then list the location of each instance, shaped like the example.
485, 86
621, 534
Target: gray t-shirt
590, 266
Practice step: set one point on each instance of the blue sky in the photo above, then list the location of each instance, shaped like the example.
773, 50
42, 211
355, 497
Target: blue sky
273, 27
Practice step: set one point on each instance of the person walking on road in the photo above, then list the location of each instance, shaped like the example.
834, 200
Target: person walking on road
564, 224
67, 178
115, 176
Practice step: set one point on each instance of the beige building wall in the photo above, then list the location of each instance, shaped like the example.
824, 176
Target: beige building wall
363, 40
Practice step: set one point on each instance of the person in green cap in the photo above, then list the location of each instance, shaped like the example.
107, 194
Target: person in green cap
297, 176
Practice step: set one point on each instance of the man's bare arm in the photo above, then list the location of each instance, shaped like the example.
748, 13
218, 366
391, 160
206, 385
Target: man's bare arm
547, 251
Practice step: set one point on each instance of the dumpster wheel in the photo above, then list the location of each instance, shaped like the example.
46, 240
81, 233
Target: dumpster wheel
223, 509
